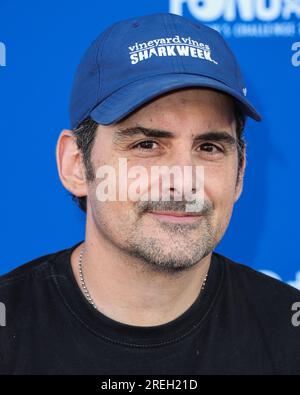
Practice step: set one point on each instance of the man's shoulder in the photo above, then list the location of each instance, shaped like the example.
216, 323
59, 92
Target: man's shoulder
36, 268
27, 269
265, 304
259, 283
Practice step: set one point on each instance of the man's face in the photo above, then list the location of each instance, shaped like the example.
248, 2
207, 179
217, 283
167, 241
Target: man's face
185, 118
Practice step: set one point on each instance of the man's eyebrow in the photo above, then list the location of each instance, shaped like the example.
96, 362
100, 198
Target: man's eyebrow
140, 130
222, 137
216, 136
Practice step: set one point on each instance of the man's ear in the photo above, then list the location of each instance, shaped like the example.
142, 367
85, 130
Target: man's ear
240, 180
70, 165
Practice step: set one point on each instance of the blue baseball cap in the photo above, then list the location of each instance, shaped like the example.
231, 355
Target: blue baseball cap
136, 60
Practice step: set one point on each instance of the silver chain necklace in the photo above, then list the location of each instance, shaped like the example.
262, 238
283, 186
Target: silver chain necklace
84, 287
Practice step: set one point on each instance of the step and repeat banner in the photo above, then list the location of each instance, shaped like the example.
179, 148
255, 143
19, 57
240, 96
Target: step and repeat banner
40, 46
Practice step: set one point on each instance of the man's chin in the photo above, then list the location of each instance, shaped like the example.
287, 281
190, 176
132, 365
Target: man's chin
168, 254
167, 264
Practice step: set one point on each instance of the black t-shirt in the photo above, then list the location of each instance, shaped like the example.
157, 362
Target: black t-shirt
240, 324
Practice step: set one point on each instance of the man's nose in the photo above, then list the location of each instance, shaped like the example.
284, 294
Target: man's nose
184, 160
182, 156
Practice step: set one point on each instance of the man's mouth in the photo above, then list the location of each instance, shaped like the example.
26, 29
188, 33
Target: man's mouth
176, 216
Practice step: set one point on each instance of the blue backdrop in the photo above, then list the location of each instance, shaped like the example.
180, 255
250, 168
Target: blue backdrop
40, 46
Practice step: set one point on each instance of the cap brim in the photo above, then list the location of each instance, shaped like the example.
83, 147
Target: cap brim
132, 96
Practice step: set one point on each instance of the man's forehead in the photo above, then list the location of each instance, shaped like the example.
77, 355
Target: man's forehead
154, 126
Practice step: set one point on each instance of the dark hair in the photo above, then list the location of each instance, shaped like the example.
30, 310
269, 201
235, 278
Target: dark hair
85, 135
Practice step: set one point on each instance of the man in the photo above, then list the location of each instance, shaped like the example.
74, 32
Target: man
145, 293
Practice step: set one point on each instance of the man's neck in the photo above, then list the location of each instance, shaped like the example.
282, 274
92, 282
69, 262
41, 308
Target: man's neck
128, 291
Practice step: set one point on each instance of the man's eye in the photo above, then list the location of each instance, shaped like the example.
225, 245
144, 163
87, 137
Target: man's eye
146, 145
211, 148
